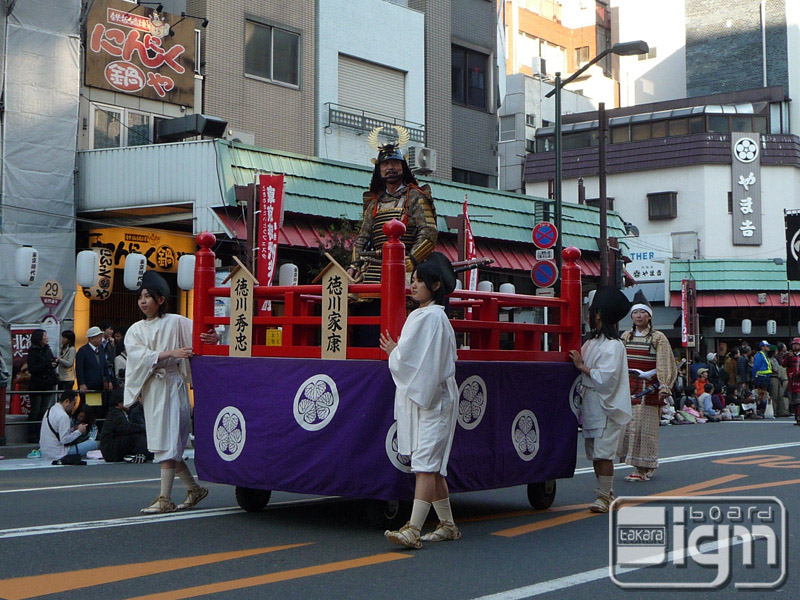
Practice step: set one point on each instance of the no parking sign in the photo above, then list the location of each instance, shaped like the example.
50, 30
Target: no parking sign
545, 235
544, 273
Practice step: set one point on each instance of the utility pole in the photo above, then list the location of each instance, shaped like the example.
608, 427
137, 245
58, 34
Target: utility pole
603, 131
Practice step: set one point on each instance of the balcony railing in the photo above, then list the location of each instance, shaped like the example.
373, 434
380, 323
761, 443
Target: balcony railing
364, 120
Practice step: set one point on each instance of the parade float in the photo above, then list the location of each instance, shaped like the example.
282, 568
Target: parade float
313, 414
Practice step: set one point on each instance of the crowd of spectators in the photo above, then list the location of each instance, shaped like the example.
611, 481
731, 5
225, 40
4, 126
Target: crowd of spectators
745, 384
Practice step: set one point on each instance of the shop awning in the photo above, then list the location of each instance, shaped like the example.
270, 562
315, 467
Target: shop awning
308, 233
738, 299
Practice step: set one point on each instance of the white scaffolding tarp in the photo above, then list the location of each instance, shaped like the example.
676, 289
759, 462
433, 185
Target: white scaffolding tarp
41, 88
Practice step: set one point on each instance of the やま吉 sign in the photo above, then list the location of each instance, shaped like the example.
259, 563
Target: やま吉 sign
746, 186
132, 49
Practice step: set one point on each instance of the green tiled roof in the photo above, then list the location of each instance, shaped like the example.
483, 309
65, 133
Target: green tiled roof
331, 189
730, 274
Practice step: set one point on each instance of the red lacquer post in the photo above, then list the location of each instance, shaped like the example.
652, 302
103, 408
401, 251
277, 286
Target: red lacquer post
393, 280
571, 291
204, 280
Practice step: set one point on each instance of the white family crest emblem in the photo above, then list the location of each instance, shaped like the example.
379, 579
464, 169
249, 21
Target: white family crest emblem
471, 402
525, 435
316, 402
400, 462
746, 150
230, 433
576, 397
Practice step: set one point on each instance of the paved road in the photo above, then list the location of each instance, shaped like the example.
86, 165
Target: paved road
75, 531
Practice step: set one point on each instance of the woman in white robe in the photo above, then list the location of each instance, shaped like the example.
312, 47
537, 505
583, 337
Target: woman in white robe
423, 365
606, 406
158, 373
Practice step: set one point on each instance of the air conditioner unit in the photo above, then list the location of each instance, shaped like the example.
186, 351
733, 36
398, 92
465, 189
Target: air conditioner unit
240, 137
539, 65
421, 160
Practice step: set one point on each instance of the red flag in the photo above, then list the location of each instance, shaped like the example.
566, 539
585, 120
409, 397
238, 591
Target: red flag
470, 253
270, 191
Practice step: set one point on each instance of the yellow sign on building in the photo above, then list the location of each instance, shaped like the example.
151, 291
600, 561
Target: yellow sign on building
162, 249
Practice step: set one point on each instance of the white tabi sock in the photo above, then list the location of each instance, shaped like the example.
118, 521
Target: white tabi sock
605, 482
167, 477
187, 478
419, 513
443, 510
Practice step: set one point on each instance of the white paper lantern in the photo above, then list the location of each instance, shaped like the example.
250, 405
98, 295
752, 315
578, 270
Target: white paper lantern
288, 274
26, 265
507, 288
186, 272
772, 327
747, 326
87, 268
485, 286
719, 325
135, 267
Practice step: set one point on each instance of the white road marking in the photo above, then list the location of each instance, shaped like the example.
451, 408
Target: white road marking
144, 519
79, 485
699, 455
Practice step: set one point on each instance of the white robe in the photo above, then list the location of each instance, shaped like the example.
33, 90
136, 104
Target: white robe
606, 390
163, 386
423, 366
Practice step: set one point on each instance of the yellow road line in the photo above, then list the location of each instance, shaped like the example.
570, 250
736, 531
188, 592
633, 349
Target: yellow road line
21, 588
238, 584
522, 513
563, 519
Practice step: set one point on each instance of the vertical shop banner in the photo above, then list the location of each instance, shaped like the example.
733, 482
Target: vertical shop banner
135, 50
684, 314
746, 188
792, 222
470, 253
270, 191
20, 345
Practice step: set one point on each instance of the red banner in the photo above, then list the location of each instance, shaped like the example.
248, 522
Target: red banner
470, 253
270, 193
684, 314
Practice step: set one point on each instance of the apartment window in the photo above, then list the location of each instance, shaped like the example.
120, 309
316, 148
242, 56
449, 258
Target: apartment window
640, 131
659, 129
114, 127
271, 54
595, 202
662, 205
581, 55
530, 146
468, 77
530, 120
649, 55
718, 124
508, 128
470, 177
620, 134
741, 123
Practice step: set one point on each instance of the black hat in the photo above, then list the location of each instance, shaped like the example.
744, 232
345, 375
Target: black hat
611, 303
389, 151
641, 303
153, 281
438, 264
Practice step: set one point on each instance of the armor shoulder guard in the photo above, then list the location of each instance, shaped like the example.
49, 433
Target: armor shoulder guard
368, 198
425, 190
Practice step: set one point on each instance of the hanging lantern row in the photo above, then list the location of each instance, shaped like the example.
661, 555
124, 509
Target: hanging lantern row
747, 326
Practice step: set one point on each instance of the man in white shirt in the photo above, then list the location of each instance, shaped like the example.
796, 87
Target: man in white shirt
57, 433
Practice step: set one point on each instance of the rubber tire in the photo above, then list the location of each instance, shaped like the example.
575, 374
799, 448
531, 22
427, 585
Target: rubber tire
387, 514
542, 495
252, 499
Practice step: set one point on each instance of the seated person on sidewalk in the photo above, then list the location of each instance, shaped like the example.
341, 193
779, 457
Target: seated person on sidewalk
121, 439
57, 437
706, 402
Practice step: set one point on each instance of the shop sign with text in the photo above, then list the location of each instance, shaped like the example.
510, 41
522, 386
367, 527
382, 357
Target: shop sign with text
162, 249
135, 50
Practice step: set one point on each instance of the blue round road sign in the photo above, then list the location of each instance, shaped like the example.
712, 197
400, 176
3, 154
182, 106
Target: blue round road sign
545, 235
544, 273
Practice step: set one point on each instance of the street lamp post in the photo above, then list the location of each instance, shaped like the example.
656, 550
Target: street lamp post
621, 49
